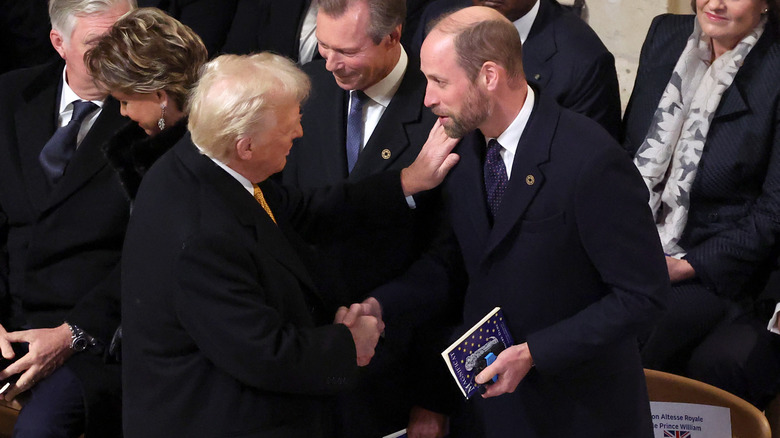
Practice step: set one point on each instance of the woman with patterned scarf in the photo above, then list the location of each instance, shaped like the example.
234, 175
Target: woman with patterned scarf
703, 127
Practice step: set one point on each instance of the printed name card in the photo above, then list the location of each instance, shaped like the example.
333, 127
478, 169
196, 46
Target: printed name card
688, 420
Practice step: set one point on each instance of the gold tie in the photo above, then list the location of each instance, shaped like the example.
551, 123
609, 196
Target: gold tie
261, 199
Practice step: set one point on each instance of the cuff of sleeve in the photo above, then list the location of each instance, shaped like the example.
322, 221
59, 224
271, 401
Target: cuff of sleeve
410, 202
772, 326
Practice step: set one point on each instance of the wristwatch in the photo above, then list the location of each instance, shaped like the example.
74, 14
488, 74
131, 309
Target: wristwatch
79, 340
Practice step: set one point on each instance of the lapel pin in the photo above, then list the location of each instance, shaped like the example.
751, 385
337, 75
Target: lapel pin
537, 76
530, 180
386, 154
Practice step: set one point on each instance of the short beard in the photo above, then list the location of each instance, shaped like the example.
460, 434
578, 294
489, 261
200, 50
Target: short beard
476, 109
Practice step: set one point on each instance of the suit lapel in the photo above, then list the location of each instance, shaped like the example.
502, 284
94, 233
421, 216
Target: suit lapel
89, 157
540, 47
35, 124
533, 150
467, 187
248, 211
734, 101
390, 137
330, 126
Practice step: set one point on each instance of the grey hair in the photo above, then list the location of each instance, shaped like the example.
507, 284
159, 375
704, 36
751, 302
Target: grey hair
384, 15
63, 13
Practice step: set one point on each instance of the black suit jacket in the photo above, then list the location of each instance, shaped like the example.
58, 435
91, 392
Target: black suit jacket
732, 228
220, 332
318, 159
574, 261
60, 247
564, 57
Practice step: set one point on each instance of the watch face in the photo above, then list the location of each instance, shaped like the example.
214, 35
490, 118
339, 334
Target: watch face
80, 344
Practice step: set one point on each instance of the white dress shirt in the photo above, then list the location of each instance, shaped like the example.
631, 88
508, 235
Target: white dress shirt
511, 135
65, 113
380, 95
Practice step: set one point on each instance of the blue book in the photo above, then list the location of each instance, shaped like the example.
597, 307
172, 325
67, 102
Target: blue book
477, 348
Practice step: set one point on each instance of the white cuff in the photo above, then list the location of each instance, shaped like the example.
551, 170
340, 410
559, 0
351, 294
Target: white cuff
772, 327
410, 202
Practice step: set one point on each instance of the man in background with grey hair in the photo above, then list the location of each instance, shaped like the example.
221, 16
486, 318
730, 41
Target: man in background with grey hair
62, 223
366, 115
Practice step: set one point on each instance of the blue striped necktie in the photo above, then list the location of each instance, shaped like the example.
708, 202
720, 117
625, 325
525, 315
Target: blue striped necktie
355, 127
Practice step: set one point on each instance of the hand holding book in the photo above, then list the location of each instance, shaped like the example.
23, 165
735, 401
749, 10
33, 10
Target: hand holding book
511, 366
466, 357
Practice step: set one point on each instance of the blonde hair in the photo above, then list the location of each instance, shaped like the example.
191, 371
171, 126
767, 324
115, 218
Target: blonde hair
147, 51
238, 95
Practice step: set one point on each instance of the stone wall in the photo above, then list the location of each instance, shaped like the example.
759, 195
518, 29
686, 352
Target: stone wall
622, 26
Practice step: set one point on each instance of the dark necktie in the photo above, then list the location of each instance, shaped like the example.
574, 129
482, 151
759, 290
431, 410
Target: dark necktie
355, 127
57, 152
495, 177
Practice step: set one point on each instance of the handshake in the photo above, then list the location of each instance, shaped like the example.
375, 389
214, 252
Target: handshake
364, 321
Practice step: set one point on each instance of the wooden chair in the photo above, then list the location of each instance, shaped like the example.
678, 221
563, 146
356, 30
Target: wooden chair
746, 420
772, 413
8, 413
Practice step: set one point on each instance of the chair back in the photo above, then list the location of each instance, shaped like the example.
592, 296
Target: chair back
8, 413
746, 420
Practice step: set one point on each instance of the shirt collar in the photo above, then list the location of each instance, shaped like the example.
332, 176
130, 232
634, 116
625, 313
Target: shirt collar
67, 96
238, 177
524, 23
511, 135
383, 91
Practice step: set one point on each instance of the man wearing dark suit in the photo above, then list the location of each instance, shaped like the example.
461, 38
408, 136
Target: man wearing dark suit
554, 242
62, 224
717, 329
561, 55
394, 125
363, 56
225, 333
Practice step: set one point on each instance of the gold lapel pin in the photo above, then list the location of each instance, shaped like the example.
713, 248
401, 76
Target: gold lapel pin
386, 154
530, 180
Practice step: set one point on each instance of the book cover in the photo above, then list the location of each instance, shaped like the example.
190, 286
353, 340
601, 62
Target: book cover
466, 357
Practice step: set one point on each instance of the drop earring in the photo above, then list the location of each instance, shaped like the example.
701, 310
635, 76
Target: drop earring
161, 122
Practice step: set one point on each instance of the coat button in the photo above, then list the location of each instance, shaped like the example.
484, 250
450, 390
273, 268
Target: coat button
713, 216
386, 154
530, 180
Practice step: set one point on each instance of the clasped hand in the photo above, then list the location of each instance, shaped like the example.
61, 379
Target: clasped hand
364, 321
47, 350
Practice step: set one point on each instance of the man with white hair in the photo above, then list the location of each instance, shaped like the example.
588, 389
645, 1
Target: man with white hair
225, 332
62, 222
